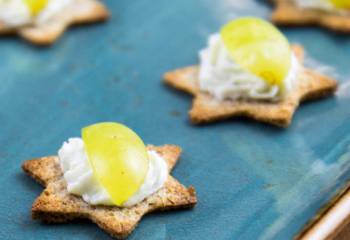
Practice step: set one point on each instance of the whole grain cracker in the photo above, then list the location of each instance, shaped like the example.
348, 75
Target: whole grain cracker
56, 205
206, 108
288, 13
81, 12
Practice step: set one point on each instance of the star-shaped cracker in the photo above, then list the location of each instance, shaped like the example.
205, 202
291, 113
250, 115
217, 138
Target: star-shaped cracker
205, 108
288, 13
78, 12
56, 205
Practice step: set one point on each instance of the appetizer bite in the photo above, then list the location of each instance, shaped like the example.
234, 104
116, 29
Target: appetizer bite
110, 177
249, 69
332, 14
42, 22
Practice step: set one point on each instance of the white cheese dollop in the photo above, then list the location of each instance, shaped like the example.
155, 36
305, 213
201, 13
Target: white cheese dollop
81, 181
224, 79
53, 8
16, 13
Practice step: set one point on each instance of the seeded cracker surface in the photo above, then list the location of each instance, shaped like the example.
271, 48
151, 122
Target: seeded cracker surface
56, 205
287, 13
81, 12
206, 108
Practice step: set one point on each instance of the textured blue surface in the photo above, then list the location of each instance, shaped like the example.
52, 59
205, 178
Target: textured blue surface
253, 180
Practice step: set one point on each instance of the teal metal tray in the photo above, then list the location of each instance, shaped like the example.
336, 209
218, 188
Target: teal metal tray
253, 181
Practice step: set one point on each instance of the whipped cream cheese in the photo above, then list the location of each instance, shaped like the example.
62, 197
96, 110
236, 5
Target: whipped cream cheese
16, 13
325, 5
81, 181
224, 79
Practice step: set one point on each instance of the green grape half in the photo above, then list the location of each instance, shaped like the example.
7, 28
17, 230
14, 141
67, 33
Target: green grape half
118, 157
341, 3
259, 47
36, 6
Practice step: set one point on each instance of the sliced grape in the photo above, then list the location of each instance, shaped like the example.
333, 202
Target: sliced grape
341, 3
118, 157
259, 47
36, 6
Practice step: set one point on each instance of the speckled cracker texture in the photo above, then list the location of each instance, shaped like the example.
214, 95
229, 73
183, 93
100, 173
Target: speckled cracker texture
56, 205
288, 13
206, 108
80, 12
